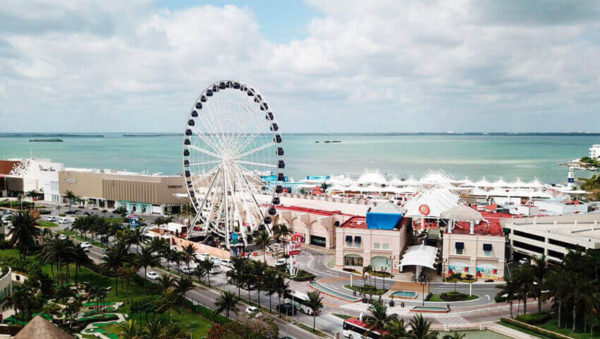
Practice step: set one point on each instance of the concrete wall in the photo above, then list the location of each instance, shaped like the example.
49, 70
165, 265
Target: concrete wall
309, 224
347, 206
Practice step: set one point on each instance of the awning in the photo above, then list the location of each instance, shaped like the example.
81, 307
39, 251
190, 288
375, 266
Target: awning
459, 245
419, 255
487, 247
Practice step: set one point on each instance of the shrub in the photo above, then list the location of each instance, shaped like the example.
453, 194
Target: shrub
500, 298
534, 318
303, 276
428, 296
453, 296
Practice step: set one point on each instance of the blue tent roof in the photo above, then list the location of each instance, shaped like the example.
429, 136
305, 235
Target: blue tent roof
383, 221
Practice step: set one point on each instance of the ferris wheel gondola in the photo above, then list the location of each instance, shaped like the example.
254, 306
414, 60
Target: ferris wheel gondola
232, 147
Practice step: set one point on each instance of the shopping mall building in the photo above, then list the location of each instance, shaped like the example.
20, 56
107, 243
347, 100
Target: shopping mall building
138, 193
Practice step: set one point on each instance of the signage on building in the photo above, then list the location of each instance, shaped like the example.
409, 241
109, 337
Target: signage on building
71, 181
424, 210
47, 169
174, 186
294, 248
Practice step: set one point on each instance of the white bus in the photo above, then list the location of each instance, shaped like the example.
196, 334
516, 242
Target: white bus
300, 301
354, 328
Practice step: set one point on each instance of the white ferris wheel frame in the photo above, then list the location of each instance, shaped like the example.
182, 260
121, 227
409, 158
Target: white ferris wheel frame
229, 193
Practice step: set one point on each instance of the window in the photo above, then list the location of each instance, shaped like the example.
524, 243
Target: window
357, 241
348, 240
487, 250
386, 246
353, 260
529, 236
376, 245
459, 246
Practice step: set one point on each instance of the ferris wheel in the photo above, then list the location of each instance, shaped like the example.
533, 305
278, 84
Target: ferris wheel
233, 162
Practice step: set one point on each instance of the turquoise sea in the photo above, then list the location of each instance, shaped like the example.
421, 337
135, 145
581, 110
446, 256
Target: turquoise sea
506, 155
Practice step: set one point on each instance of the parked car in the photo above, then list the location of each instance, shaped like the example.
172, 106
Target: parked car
227, 263
51, 218
281, 262
63, 237
253, 311
63, 221
152, 275
201, 256
85, 245
186, 270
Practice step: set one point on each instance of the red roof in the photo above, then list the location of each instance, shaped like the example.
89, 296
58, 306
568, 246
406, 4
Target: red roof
493, 228
356, 222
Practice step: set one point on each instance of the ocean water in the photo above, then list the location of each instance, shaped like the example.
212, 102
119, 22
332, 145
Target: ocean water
493, 156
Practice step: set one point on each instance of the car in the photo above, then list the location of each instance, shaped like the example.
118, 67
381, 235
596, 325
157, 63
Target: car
227, 263
281, 262
201, 256
152, 275
186, 270
63, 237
253, 311
51, 218
63, 221
85, 245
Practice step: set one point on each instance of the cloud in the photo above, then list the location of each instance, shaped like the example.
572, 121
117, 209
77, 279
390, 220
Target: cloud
363, 66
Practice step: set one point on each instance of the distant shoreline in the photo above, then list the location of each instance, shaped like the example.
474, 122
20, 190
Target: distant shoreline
49, 135
46, 140
453, 134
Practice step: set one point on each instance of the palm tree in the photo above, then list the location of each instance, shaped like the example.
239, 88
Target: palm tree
128, 330
281, 288
205, 266
379, 319
396, 328
525, 280
237, 274
32, 194
165, 281
146, 258
113, 260
270, 284
454, 335
227, 302
188, 254
540, 271
154, 329
168, 300
161, 220
255, 277
264, 241
280, 232
315, 303
184, 285
70, 196
420, 328
510, 289
23, 232
559, 290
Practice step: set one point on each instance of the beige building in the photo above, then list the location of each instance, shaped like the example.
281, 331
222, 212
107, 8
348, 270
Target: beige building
138, 193
317, 227
475, 250
358, 246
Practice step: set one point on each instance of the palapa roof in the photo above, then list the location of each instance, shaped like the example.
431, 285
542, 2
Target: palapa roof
40, 328
462, 213
372, 178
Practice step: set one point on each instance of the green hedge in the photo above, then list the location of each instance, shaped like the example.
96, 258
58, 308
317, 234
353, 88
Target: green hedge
211, 315
303, 276
534, 318
534, 329
454, 296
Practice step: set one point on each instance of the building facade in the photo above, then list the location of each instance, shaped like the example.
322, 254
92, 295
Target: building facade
20, 176
477, 255
358, 246
138, 193
553, 236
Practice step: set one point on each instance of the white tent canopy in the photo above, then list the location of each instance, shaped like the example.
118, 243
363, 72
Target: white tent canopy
436, 178
462, 213
483, 183
372, 178
411, 181
438, 200
419, 255
396, 182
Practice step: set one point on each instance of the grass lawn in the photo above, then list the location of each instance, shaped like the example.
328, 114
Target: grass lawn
436, 297
553, 326
46, 223
11, 252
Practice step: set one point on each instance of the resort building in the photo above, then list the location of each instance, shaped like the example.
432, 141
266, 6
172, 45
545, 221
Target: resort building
553, 236
474, 244
20, 176
378, 239
138, 193
315, 227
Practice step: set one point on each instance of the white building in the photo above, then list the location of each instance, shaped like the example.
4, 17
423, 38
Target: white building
595, 152
40, 175
553, 236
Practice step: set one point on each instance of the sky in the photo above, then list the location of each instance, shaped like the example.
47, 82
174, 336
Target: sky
324, 66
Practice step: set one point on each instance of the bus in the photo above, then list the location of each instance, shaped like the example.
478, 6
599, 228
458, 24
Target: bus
354, 328
300, 301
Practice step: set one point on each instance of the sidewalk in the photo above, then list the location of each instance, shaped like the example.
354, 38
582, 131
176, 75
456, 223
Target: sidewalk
507, 331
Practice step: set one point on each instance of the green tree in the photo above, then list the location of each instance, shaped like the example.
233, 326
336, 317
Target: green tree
165, 281
227, 302
510, 289
263, 240
236, 276
540, 271
146, 258
113, 260
184, 285
204, 268
379, 319
23, 232
315, 303
420, 328
188, 255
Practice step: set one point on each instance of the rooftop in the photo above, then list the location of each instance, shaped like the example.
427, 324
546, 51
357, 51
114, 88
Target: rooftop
356, 222
308, 210
494, 227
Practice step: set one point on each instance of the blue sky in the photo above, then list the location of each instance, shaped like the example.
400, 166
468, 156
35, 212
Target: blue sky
324, 66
